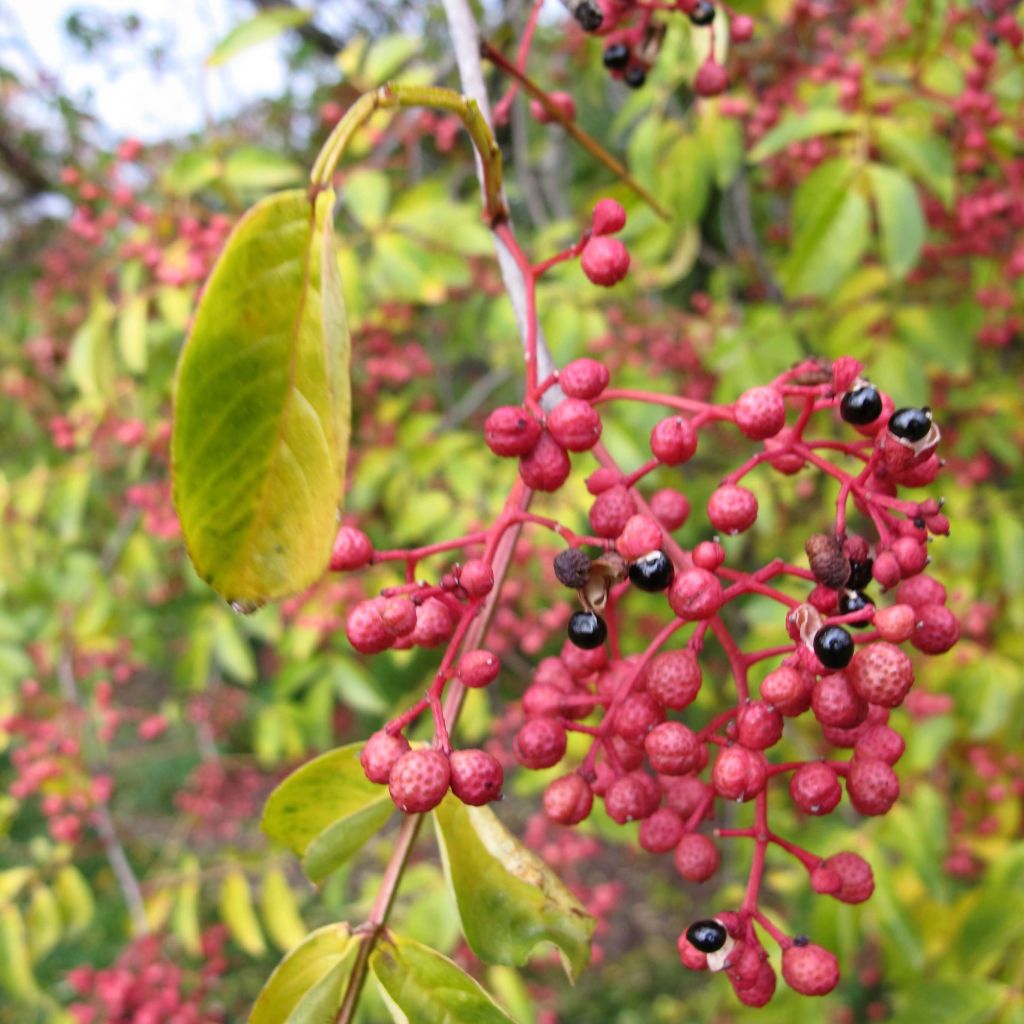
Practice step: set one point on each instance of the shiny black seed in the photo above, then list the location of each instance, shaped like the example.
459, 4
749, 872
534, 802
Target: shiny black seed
587, 630
861, 406
833, 646
572, 567
801, 940
703, 13
860, 574
707, 936
851, 601
911, 424
588, 16
653, 572
616, 56
635, 76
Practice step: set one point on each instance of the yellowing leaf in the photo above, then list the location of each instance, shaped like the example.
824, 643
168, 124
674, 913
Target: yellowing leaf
257, 29
15, 961
279, 910
75, 898
509, 900
261, 415
236, 911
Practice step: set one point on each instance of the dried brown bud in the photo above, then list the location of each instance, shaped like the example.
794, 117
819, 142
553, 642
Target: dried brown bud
605, 572
572, 567
830, 566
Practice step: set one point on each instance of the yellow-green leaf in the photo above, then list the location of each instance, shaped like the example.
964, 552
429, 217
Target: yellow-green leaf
279, 910
43, 922
420, 986
262, 406
238, 913
257, 29
185, 923
75, 898
311, 976
509, 900
900, 218
326, 810
15, 960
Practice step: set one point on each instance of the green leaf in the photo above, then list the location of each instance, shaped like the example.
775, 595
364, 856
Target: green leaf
185, 923
367, 195
688, 170
326, 810
279, 910
237, 912
91, 359
509, 900
75, 898
253, 167
967, 1000
310, 978
422, 987
131, 319
259, 28
797, 127
830, 230
262, 406
15, 961
994, 922
900, 218
192, 171
43, 922
926, 156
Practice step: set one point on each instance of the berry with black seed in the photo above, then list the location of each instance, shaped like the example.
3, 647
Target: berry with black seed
910, 424
653, 572
833, 647
616, 56
851, 601
587, 630
572, 568
589, 17
861, 406
635, 76
703, 13
708, 936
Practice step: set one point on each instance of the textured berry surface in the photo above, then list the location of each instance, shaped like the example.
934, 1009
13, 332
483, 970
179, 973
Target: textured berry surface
810, 970
476, 776
511, 431
419, 780
568, 800
605, 261
673, 441
380, 753
881, 673
760, 413
696, 857
732, 509
574, 424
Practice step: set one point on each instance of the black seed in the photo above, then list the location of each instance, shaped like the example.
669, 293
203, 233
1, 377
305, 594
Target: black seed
616, 56
635, 76
653, 572
801, 940
588, 16
587, 630
860, 574
707, 936
572, 567
861, 406
851, 601
703, 13
911, 424
833, 646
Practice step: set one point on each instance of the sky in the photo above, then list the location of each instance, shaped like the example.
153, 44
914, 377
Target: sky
128, 96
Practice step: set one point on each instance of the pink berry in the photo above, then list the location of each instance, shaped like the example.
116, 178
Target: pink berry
684, 794
696, 857
810, 970
895, 623
673, 441
732, 509
837, 703
352, 550
476, 577
856, 881
605, 261
739, 774
568, 800
631, 797
562, 101
434, 624
788, 689
881, 673
639, 536
872, 786
673, 749
365, 629
936, 629
511, 431
584, 378
711, 79
760, 413
660, 832
478, 668
886, 570
708, 554
419, 780
880, 743
476, 777
674, 678
611, 511
636, 716
608, 218
760, 991
758, 725
602, 479
547, 467
741, 28
691, 957
670, 507
920, 590
695, 594
540, 743
399, 615
380, 753
911, 555
815, 789
574, 424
